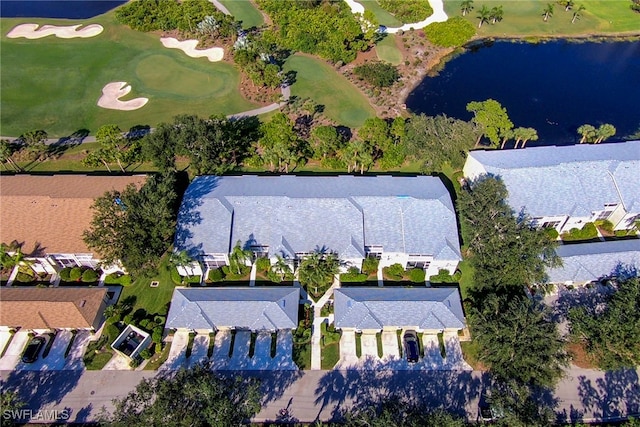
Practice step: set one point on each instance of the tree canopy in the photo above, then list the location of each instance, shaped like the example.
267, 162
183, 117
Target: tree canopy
193, 397
612, 335
492, 119
454, 32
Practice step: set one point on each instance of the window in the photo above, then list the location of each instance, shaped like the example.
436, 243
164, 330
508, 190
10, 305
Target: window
214, 261
374, 251
260, 251
603, 215
65, 261
418, 261
550, 224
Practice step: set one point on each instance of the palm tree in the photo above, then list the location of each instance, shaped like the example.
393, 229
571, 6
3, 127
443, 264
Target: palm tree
496, 14
6, 151
280, 269
506, 135
318, 269
483, 15
547, 12
604, 131
587, 132
466, 6
239, 257
7, 260
568, 4
577, 14
180, 259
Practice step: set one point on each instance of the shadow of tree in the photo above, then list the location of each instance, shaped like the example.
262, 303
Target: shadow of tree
40, 388
611, 397
593, 298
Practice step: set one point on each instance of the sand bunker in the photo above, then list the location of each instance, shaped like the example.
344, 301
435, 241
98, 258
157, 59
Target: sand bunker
31, 31
214, 54
114, 90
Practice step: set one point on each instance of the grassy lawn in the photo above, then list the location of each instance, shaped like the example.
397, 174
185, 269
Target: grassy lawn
470, 352
152, 300
158, 359
383, 17
330, 356
342, 102
99, 360
245, 11
53, 84
524, 18
387, 50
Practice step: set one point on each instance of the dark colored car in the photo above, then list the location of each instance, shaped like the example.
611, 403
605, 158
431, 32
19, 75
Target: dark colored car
32, 351
411, 348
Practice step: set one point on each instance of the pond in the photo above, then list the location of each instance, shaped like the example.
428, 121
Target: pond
553, 87
62, 9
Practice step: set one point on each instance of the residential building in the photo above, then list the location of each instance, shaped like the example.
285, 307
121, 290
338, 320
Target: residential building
52, 308
204, 310
566, 187
405, 220
374, 309
589, 262
47, 215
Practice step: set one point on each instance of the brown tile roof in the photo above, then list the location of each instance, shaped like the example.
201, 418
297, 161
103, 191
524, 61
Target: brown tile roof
43, 308
48, 214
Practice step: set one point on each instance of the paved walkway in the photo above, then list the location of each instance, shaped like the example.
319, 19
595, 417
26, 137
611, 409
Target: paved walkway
316, 331
438, 15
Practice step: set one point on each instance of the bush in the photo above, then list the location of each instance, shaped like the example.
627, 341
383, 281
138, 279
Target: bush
128, 319
112, 331
443, 276
587, 232
454, 32
407, 11
353, 276
394, 272
417, 275
378, 74
263, 264
159, 320
175, 276
232, 275
215, 275
75, 275
605, 225
65, 274
118, 278
89, 276
370, 265
144, 323
156, 335
146, 354
551, 233
24, 277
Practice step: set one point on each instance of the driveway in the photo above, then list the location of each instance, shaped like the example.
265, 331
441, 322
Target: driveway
348, 349
262, 352
240, 355
74, 361
221, 347
369, 346
199, 349
14, 351
454, 359
55, 360
432, 357
390, 349
178, 351
284, 352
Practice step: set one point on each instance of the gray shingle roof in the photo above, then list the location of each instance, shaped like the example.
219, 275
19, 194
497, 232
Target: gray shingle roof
254, 308
301, 213
590, 261
375, 308
574, 180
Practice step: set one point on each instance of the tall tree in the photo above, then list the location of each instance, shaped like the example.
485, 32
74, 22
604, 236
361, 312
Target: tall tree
492, 118
326, 141
195, 397
279, 144
587, 133
358, 155
318, 269
238, 257
466, 7
160, 147
577, 13
35, 143
7, 149
483, 15
496, 14
113, 143
524, 135
604, 131
547, 12
568, 4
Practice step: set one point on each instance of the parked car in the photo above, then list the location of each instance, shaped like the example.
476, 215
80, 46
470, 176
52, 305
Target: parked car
32, 351
411, 348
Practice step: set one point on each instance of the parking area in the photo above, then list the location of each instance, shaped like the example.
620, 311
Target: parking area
390, 348
369, 347
199, 349
178, 352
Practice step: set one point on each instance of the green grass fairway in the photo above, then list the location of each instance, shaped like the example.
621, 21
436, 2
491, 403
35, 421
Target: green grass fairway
245, 11
383, 17
54, 84
524, 18
318, 81
387, 50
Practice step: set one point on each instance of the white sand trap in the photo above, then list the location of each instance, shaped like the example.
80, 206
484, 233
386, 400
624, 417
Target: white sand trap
214, 54
114, 90
31, 31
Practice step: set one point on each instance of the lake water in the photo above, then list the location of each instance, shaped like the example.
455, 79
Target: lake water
78, 9
553, 87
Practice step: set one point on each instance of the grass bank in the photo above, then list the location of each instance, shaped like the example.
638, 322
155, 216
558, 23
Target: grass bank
54, 83
245, 11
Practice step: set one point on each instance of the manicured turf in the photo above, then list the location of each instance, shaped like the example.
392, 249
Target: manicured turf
341, 100
53, 84
387, 50
245, 11
153, 300
524, 18
383, 17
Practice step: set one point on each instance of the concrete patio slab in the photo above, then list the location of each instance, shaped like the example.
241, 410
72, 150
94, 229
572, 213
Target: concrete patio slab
199, 349
14, 351
390, 349
221, 347
178, 351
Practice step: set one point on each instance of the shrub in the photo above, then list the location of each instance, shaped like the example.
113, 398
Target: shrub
378, 74
89, 276
353, 276
551, 233
112, 331
443, 276
232, 275
128, 319
417, 275
587, 232
175, 276
394, 272
454, 32
263, 264
146, 354
407, 11
65, 274
118, 278
605, 225
159, 320
76, 274
24, 277
156, 335
125, 280
370, 265
144, 323
134, 363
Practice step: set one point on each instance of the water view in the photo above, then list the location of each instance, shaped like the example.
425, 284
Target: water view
553, 87
63, 9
